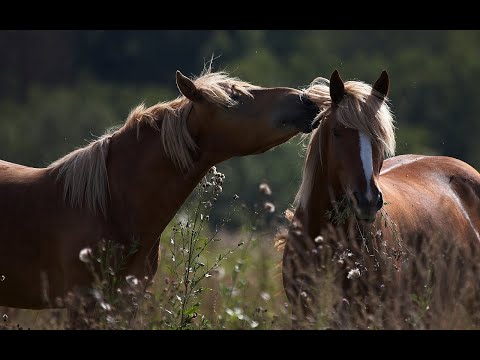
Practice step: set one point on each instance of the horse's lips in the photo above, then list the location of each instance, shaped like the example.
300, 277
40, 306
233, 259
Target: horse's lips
367, 220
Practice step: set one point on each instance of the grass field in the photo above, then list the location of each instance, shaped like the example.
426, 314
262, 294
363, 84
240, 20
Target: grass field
210, 278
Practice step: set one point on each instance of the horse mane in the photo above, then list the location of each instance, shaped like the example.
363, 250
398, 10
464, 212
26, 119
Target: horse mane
84, 170
361, 109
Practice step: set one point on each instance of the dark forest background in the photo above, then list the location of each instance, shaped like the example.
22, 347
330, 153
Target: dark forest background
59, 89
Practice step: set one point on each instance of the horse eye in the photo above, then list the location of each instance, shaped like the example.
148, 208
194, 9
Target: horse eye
335, 133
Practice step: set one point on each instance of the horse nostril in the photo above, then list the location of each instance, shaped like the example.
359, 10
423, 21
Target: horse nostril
379, 201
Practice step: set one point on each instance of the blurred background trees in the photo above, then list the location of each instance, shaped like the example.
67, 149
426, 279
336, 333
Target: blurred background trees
59, 89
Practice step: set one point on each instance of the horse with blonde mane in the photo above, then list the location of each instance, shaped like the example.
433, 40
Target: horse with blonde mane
353, 196
127, 185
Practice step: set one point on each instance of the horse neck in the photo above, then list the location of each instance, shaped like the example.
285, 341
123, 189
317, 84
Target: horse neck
312, 214
146, 187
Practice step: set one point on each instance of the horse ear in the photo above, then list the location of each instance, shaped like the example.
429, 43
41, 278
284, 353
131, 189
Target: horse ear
187, 87
337, 89
382, 84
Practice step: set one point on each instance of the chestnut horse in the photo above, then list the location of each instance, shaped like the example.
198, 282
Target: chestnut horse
127, 185
399, 200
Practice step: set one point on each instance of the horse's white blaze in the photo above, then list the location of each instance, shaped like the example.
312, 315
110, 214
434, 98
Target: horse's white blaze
367, 161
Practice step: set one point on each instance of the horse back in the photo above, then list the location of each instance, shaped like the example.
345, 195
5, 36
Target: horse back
433, 189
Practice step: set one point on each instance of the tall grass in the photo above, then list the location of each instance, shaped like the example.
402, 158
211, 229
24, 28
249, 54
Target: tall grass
209, 278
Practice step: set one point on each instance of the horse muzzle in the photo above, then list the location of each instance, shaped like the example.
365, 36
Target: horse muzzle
366, 210
309, 120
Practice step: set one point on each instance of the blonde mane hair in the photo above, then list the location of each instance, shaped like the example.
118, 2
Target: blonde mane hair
84, 170
361, 108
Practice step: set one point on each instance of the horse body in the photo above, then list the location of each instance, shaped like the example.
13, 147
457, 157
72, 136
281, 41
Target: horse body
426, 201
439, 189
41, 262
33, 256
127, 185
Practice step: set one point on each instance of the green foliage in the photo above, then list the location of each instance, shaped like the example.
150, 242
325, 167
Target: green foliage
83, 82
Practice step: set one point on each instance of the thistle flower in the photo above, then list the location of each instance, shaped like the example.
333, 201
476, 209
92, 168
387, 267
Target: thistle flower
270, 207
207, 204
132, 280
265, 189
85, 255
319, 239
265, 296
353, 274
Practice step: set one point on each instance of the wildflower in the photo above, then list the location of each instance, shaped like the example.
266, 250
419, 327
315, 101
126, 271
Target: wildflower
97, 295
239, 313
353, 274
253, 324
207, 204
219, 177
235, 197
270, 207
212, 170
235, 292
265, 296
218, 189
207, 275
2, 278
265, 189
319, 239
105, 306
207, 218
5, 317
132, 280
85, 255
220, 273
